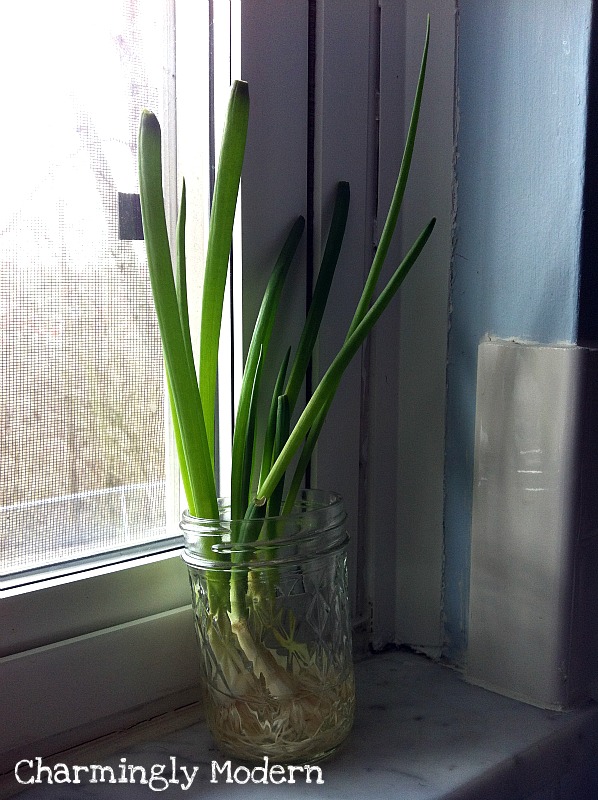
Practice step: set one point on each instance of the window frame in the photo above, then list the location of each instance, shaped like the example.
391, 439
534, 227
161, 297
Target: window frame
389, 471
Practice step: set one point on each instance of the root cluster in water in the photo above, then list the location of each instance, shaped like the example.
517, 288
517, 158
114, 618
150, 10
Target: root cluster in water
307, 725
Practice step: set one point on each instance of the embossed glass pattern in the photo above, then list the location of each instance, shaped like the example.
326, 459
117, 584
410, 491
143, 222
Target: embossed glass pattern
282, 685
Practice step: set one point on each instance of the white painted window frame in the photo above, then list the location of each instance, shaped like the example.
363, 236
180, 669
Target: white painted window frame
116, 646
383, 445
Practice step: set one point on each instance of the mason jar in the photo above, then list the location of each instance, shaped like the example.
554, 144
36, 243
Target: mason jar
272, 620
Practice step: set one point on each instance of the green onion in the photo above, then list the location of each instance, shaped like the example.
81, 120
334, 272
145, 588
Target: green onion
238, 588
327, 386
184, 392
259, 343
321, 292
271, 428
218, 251
192, 398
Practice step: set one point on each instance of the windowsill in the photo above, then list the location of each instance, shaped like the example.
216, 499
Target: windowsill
420, 732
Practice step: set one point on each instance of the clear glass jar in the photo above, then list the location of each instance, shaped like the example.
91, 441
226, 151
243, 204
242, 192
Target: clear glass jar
272, 619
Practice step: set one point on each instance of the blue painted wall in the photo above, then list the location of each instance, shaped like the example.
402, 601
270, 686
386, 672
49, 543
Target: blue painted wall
522, 113
588, 284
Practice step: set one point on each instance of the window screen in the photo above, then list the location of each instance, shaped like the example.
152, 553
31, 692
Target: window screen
81, 393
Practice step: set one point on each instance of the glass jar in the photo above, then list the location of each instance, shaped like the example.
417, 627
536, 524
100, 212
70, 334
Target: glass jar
272, 619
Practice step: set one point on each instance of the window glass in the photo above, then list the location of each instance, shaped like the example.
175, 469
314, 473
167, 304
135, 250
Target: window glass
81, 383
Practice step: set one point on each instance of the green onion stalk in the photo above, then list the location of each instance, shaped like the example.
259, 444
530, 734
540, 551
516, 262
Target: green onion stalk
258, 475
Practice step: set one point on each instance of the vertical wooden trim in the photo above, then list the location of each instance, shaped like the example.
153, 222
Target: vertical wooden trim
408, 348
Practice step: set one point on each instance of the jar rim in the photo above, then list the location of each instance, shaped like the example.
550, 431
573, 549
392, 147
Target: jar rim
322, 500
314, 528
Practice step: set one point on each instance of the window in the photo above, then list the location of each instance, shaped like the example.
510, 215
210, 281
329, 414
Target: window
82, 464
77, 642
118, 639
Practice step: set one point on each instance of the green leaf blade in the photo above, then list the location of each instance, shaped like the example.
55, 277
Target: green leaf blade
283, 422
329, 383
270, 435
181, 276
259, 343
397, 198
181, 379
218, 250
320, 294
240, 495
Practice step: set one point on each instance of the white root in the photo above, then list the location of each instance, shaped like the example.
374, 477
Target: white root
279, 682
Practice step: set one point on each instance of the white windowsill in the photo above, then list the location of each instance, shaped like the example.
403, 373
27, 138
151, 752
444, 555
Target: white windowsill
420, 732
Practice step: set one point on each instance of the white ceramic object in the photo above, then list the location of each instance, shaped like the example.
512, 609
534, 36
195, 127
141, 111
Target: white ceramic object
533, 631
